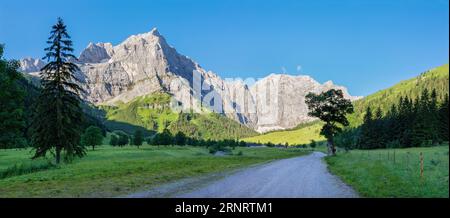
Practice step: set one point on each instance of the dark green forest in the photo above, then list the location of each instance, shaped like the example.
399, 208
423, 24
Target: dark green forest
420, 122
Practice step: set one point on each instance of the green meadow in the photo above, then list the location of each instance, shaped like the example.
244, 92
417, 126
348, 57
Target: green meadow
113, 171
295, 136
394, 172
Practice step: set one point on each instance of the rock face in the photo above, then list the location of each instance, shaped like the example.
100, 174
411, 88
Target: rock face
145, 63
29, 65
280, 100
96, 53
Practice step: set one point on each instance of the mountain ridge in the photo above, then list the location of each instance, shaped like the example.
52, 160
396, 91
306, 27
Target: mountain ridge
145, 63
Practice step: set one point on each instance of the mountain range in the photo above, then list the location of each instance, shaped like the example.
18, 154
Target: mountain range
436, 78
145, 64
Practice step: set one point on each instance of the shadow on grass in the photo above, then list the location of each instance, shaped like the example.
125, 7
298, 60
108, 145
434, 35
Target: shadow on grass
26, 168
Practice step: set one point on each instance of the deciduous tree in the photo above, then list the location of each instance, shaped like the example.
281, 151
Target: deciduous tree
332, 108
92, 136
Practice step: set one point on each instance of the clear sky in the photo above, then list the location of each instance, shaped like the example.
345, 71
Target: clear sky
362, 44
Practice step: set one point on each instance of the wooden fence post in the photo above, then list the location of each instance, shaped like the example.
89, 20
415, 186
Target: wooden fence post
421, 166
394, 157
407, 160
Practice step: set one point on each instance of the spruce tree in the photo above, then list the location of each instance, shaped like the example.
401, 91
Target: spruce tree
422, 129
378, 129
57, 123
366, 140
433, 117
393, 127
407, 121
138, 138
444, 119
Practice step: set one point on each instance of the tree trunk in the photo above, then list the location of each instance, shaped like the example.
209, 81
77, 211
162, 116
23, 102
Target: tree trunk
58, 154
93, 147
331, 148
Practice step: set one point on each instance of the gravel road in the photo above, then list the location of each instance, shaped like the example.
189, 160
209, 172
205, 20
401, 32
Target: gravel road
299, 177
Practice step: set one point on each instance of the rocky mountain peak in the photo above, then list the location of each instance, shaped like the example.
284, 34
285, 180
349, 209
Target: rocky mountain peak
145, 63
96, 53
155, 32
29, 65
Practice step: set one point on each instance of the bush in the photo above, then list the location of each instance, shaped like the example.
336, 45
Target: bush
164, 138
312, 144
123, 139
217, 147
180, 139
114, 140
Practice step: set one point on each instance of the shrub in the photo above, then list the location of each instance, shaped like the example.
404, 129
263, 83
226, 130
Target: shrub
218, 147
114, 140
312, 144
180, 139
123, 139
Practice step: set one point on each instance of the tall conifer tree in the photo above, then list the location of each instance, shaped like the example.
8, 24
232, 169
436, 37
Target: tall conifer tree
366, 138
57, 123
444, 119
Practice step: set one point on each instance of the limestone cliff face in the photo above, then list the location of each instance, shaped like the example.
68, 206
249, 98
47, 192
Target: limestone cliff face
145, 63
280, 100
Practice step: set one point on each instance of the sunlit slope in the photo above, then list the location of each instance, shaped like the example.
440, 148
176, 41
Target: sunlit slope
300, 135
436, 78
153, 112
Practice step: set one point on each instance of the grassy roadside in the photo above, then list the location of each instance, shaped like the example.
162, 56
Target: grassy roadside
110, 171
377, 173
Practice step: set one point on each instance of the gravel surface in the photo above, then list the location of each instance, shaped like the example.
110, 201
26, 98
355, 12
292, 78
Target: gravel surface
299, 177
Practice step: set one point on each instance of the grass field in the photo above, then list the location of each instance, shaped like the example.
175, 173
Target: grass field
297, 136
110, 171
377, 173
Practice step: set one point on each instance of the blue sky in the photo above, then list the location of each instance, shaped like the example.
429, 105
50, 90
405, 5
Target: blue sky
362, 44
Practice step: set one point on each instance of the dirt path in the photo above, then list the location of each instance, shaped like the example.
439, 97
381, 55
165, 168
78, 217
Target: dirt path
300, 177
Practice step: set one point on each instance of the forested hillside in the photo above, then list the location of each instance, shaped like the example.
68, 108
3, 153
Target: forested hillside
412, 113
380, 104
437, 78
153, 112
